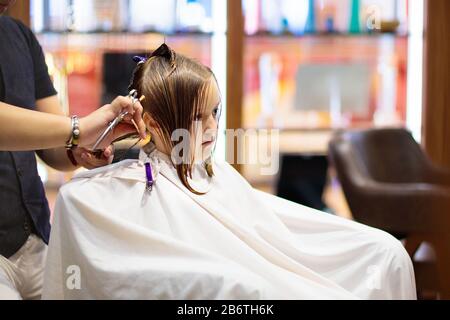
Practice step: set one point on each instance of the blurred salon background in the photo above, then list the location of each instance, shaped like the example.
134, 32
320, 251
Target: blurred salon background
357, 91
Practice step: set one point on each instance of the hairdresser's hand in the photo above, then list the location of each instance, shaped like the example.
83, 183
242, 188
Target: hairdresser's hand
86, 159
93, 125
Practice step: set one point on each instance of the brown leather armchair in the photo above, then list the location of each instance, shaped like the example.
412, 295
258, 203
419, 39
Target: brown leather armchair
390, 184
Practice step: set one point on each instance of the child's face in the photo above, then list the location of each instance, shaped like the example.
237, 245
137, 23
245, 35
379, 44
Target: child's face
208, 121
205, 126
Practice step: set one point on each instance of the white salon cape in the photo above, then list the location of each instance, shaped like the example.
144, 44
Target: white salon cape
113, 240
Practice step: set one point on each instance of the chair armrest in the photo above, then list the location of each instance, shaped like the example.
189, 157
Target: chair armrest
438, 175
417, 207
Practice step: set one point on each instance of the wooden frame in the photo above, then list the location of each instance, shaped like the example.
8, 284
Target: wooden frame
21, 11
436, 112
235, 70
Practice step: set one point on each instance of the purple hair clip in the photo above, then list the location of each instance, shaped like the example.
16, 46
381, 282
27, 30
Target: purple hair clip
139, 59
163, 51
149, 175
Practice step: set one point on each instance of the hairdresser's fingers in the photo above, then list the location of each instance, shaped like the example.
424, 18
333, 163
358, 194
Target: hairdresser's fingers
94, 124
89, 161
118, 105
121, 104
109, 151
137, 120
135, 111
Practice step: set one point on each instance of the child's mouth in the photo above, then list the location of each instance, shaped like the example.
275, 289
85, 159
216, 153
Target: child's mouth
207, 143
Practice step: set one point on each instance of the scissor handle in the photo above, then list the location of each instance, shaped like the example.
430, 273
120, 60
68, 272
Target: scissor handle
133, 96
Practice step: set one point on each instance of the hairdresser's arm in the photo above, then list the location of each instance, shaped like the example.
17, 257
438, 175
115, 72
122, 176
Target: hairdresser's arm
57, 157
22, 130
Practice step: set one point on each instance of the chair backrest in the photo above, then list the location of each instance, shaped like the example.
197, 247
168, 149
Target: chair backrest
383, 155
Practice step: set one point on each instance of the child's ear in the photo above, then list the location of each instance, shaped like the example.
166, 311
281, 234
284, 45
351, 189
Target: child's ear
151, 126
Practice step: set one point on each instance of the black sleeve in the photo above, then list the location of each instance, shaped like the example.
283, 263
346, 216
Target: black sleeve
43, 84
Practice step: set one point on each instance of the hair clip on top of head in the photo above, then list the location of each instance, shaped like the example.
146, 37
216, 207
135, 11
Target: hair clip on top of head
162, 51
167, 53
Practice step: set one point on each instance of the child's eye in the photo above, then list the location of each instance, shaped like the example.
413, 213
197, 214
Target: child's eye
198, 117
215, 112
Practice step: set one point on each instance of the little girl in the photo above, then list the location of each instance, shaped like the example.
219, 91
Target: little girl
178, 224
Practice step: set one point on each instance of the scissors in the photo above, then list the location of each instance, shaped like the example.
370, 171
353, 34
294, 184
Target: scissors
112, 125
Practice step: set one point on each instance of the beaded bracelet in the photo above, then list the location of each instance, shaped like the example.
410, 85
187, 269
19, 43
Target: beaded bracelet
75, 136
